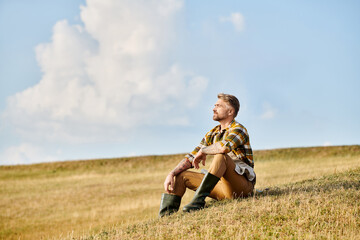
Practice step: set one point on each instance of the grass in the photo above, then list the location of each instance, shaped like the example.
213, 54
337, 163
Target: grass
313, 193
324, 208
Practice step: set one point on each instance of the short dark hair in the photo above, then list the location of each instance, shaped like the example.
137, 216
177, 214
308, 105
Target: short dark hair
232, 100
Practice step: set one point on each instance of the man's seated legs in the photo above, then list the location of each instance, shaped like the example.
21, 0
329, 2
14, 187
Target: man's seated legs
231, 184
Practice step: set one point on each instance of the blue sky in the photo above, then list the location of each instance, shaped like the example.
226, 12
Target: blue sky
93, 79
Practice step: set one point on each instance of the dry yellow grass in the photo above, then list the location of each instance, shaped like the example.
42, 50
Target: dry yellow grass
324, 208
58, 200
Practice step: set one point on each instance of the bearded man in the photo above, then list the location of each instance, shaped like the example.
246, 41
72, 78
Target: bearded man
231, 173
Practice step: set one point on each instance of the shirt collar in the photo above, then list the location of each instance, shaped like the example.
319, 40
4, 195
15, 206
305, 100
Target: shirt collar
218, 127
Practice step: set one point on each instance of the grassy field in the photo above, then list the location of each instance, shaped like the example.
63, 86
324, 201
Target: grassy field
313, 194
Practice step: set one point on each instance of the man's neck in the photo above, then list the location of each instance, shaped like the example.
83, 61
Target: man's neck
225, 122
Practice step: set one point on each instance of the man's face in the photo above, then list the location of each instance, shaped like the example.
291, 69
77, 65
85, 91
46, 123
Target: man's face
221, 110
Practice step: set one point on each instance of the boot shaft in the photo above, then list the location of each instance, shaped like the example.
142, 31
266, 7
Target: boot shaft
169, 204
207, 185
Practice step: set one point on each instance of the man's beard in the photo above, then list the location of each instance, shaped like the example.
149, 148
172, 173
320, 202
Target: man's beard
216, 117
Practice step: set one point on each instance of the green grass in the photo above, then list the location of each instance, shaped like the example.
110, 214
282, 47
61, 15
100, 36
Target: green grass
313, 193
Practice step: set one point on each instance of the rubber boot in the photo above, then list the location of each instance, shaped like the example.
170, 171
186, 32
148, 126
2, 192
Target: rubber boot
198, 202
169, 204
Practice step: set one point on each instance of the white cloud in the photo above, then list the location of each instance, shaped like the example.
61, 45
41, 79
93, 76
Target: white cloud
269, 111
23, 154
237, 19
107, 76
327, 143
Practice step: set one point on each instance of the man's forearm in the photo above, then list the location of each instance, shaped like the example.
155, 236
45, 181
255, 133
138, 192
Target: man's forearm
213, 149
182, 166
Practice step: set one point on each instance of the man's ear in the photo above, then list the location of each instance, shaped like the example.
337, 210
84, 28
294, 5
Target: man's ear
231, 110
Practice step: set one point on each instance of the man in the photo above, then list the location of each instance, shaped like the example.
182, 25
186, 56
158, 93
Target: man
230, 174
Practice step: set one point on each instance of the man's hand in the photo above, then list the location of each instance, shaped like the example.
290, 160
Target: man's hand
199, 157
169, 183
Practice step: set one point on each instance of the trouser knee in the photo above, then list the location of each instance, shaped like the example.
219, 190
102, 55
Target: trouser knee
180, 183
180, 177
218, 165
218, 158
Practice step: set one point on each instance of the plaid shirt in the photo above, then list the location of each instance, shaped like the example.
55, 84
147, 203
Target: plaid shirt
235, 138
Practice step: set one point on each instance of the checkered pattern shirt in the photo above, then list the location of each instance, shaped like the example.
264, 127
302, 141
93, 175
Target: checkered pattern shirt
235, 138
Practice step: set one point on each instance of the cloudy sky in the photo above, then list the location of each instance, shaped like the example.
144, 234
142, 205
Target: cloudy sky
96, 79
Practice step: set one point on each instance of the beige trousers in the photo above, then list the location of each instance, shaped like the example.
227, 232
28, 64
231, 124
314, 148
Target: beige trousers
231, 184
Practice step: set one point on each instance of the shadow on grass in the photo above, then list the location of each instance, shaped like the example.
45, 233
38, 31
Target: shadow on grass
322, 187
346, 180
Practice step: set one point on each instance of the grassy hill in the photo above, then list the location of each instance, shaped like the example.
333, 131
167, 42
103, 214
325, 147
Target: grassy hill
324, 208
313, 193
